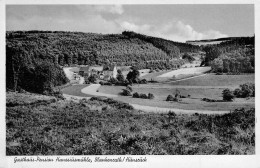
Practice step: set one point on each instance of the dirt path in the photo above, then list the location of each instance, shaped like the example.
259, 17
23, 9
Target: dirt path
68, 73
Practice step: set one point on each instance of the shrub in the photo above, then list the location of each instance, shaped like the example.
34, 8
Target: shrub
143, 96
170, 98
126, 92
101, 83
92, 79
113, 80
237, 92
143, 81
150, 96
227, 95
247, 90
108, 83
135, 95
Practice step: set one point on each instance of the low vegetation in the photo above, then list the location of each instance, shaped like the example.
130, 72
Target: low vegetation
103, 126
143, 96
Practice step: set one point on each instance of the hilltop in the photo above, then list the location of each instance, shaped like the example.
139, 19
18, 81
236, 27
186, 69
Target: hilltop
226, 40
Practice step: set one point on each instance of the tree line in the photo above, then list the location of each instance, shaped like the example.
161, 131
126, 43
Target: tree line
235, 56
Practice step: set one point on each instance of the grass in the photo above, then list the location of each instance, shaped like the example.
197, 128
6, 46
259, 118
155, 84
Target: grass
187, 103
217, 80
69, 128
75, 90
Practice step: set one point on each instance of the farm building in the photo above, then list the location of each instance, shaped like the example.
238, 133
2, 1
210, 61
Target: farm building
109, 71
103, 72
86, 71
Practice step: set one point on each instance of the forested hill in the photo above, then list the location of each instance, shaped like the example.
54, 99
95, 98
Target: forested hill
166, 45
89, 48
34, 57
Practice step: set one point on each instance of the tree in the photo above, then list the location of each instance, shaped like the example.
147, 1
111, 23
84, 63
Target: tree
150, 96
92, 78
211, 54
133, 76
227, 95
217, 65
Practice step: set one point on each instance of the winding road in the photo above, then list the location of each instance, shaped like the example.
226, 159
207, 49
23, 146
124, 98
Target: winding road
93, 90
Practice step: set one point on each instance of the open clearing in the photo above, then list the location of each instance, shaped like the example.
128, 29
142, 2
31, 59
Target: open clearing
186, 71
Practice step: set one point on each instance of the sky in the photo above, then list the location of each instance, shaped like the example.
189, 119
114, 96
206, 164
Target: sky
170, 21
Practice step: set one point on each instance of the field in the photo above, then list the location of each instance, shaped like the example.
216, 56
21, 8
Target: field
68, 128
208, 86
186, 71
217, 80
75, 90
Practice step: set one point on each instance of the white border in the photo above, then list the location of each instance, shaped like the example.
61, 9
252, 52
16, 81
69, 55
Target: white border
153, 161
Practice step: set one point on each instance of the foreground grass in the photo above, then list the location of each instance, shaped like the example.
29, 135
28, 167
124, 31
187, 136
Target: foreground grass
107, 127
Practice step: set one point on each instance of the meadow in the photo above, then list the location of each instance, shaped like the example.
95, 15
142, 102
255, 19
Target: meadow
75, 90
217, 80
207, 86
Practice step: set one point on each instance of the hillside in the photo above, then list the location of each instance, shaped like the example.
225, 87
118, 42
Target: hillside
108, 127
172, 48
87, 48
234, 55
36, 56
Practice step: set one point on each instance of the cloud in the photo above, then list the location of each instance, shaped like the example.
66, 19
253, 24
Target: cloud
91, 18
94, 24
114, 9
176, 31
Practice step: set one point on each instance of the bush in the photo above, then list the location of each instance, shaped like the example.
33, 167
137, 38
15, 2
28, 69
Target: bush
92, 79
245, 90
143, 96
150, 96
143, 81
227, 95
108, 83
126, 92
135, 95
113, 80
170, 98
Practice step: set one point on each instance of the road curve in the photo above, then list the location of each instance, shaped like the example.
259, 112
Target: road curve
93, 90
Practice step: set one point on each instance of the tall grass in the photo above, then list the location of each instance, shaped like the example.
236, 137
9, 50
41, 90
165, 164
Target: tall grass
69, 128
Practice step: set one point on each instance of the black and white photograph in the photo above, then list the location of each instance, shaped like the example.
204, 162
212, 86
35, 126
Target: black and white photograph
136, 80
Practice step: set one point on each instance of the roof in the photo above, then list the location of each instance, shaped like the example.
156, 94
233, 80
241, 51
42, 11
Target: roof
85, 68
89, 68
